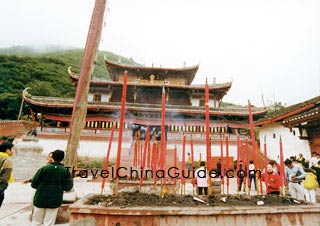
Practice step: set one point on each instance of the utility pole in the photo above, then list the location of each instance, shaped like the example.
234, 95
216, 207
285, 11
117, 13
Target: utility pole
79, 112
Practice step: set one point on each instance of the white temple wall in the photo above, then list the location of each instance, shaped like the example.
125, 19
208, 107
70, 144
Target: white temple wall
291, 143
105, 97
90, 97
195, 102
98, 149
95, 149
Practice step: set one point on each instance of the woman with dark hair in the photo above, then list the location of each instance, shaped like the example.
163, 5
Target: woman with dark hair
272, 180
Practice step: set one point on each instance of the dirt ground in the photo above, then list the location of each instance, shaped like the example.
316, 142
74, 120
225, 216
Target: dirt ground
132, 199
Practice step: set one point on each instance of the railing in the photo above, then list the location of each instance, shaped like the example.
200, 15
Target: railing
128, 133
150, 106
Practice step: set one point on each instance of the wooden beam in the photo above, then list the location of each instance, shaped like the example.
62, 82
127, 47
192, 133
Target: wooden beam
81, 100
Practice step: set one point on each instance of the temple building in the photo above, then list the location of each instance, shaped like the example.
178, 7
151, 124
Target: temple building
297, 125
185, 108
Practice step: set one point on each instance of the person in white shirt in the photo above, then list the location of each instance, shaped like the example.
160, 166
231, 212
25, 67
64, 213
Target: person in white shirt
201, 176
252, 174
314, 159
295, 174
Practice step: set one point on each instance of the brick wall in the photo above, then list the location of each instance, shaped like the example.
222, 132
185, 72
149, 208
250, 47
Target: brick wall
15, 128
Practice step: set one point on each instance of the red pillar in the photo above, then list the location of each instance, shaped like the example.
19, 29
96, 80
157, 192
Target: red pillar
122, 113
208, 143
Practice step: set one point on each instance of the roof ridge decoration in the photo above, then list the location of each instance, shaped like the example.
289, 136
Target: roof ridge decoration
145, 67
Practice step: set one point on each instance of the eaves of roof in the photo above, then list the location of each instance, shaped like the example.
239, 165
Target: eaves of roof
290, 111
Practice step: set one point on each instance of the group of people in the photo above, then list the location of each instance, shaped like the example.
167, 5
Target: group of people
203, 180
242, 175
50, 182
302, 177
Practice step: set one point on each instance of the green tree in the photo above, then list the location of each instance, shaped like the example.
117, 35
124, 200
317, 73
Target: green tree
9, 106
276, 106
46, 74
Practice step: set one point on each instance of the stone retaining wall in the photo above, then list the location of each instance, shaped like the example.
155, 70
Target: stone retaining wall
308, 215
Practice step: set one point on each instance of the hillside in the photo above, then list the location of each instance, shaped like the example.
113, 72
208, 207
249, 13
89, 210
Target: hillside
45, 72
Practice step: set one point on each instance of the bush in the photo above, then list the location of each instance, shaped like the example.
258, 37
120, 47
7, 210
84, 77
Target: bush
92, 163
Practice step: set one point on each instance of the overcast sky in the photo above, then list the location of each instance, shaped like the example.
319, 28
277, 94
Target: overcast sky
266, 47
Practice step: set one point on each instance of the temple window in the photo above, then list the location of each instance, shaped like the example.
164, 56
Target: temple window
97, 97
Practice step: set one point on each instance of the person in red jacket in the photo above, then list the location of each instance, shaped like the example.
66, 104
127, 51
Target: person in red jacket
272, 180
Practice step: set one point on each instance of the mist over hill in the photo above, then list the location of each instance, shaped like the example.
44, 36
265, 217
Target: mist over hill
44, 70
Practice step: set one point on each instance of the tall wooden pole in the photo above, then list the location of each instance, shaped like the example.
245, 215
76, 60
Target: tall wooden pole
122, 113
253, 139
106, 161
163, 136
154, 164
266, 179
222, 164
227, 161
163, 149
80, 103
175, 168
238, 160
282, 170
207, 127
183, 161
192, 164
246, 166
144, 156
